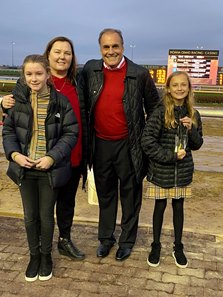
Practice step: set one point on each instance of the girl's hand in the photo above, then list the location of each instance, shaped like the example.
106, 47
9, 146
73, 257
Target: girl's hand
8, 101
44, 163
181, 154
187, 122
24, 161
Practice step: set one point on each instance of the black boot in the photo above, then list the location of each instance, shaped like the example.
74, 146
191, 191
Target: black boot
33, 268
154, 256
46, 267
179, 256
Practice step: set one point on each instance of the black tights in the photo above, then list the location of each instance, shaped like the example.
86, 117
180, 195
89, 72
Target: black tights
178, 218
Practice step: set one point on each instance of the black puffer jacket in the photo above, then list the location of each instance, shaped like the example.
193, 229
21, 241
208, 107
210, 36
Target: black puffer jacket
20, 84
61, 130
159, 143
140, 97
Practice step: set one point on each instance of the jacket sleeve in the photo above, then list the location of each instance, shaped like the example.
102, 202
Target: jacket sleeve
151, 95
85, 129
85, 108
10, 140
195, 136
83, 90
20, 89
150, 140
68, 138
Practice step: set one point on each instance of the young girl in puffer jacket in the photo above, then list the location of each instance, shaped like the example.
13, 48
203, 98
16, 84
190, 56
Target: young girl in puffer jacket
171, 133
38, 136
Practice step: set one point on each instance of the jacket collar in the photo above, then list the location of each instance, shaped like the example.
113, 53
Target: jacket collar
21, 91
119, 66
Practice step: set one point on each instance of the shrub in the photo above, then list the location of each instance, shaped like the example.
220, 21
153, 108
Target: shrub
201, 97
7, 87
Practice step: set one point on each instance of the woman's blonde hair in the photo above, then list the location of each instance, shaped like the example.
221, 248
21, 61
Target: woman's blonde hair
168, 101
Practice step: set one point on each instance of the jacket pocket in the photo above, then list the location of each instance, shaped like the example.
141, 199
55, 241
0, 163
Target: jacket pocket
151, 167
59, 176
15, 172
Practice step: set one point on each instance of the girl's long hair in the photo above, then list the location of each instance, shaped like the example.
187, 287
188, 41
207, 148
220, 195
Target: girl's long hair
168, 101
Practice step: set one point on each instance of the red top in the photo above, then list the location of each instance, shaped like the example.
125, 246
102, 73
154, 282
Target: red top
110, 121
64, 86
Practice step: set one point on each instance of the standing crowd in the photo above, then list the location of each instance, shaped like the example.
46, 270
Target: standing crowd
108, 117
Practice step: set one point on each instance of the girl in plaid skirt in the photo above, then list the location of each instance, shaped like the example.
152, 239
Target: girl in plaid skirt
171, 132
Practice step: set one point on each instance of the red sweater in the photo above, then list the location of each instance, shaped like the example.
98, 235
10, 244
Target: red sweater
110, 121
67, 89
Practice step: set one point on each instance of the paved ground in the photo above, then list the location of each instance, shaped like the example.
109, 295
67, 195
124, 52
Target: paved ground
108, 277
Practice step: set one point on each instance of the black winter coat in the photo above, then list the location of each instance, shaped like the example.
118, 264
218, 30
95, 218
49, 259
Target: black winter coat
61, 130
140, 97
20, 84
159, 144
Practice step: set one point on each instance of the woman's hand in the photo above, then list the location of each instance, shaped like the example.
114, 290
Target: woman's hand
8, 101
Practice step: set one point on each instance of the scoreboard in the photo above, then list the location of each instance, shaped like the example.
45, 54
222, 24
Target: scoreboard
201, 65
220, 79
220, 76
158, 73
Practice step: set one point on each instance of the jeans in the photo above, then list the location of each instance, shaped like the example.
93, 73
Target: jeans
38, 200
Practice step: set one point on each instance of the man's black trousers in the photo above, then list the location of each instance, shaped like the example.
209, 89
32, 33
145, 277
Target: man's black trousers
115, 176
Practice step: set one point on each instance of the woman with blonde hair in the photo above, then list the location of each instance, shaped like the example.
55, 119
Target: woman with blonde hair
171, 133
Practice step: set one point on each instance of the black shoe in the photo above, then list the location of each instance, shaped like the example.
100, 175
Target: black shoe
123, 253
179, 257
33, 268
154, 256
46, 267
104, 249
67, 248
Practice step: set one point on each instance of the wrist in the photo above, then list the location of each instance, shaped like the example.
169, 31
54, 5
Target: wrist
51, 160
14, 154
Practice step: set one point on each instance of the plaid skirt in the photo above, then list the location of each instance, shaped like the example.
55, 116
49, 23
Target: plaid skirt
155, 192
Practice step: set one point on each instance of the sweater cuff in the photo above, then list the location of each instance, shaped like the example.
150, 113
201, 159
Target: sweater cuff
14, 154
51, 160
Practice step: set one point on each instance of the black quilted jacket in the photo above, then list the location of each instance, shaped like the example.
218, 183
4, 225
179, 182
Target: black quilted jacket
61, 129
159, 144
140, 97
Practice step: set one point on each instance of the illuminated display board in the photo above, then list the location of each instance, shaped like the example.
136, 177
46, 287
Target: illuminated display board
220, 79
220, 76
158, 73
201, 65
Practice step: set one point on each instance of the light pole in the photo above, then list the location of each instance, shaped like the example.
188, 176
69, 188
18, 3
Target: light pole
12, 43
132, 46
